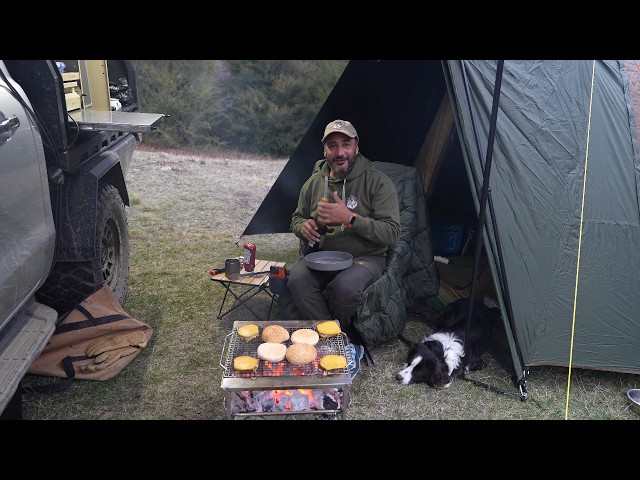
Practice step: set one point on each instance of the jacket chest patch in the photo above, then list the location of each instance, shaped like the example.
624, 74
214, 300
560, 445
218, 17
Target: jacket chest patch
352, 202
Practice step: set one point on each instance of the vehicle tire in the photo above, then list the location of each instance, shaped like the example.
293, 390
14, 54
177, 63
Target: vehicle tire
71, 282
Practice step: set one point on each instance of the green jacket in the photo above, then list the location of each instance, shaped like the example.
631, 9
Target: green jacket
369, 193
411, 275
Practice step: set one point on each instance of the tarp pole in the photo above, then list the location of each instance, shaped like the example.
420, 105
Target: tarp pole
485, 190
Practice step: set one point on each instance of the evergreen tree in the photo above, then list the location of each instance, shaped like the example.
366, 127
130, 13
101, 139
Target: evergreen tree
273, 102
189, 92
251, 106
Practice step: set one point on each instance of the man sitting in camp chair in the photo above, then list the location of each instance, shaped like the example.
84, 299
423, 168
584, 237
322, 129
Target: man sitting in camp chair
344, 206
363, 213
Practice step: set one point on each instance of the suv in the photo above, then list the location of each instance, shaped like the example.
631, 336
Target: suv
68, 130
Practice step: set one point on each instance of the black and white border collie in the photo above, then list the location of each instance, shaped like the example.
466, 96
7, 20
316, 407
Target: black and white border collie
444, 355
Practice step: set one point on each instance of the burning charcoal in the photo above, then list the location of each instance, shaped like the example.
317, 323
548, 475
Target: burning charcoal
299, 401
281, 404
269, 405
250, 401
329, 404
331, 400
239, 402
254, 396
318, 397
262, 401
336, 395
281, 400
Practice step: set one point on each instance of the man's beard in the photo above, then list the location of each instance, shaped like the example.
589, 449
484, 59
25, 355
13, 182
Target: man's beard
345, 170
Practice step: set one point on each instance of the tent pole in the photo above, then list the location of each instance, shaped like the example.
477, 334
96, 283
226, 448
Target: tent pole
485, 189
502, 276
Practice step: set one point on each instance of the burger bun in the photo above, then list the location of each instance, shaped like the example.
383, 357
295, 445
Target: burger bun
275, 334
272, 352
306, 336
301, 354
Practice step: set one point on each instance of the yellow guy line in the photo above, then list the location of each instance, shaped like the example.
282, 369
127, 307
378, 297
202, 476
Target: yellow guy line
575, 294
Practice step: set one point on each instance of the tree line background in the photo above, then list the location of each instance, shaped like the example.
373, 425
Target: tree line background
250, 106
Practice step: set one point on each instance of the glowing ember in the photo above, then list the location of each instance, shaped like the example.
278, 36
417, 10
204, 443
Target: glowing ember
284, 368
298, 400
273, 369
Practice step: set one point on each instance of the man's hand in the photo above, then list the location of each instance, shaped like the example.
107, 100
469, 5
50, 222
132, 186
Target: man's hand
333, 213
116, 341
310, 231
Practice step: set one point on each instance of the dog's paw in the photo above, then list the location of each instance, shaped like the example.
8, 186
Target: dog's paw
474, 366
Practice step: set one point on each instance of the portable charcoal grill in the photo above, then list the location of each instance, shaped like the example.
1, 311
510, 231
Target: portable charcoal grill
283, 388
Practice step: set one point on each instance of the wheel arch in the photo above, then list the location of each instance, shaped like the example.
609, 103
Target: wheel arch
108, 256
76, 222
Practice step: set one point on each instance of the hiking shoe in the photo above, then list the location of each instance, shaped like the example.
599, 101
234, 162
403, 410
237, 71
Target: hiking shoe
354, 354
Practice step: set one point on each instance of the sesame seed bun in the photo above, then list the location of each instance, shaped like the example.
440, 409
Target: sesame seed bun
301, 354
275, 334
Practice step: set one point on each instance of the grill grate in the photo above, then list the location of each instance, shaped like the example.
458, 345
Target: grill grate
237, 346
281, 388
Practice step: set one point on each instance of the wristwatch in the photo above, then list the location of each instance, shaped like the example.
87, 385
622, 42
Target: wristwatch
352, 220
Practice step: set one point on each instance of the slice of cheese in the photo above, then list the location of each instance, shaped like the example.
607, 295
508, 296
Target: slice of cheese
244, 363
248, 332
333, 362
329, 328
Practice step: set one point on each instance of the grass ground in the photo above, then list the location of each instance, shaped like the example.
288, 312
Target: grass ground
186, 216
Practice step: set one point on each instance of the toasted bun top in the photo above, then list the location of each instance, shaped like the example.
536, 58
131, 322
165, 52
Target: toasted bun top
248, 332
275, 334
333, 362
245, 363
272, 352
328, 328
305, 335
301, 354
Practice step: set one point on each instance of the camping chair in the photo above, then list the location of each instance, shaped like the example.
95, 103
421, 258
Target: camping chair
411, 275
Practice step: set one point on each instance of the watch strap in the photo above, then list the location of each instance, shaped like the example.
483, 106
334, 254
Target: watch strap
352, 220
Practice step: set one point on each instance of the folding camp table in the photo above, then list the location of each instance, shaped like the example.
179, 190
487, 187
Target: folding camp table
247, 286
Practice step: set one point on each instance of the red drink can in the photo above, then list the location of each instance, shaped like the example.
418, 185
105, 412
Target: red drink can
249, 256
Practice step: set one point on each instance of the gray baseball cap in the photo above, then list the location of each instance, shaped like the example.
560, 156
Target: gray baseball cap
341, 126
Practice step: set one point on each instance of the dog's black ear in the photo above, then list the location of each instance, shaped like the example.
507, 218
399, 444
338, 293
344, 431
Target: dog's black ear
439, 375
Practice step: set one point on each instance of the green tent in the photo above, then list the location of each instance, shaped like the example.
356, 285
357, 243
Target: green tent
560, 217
